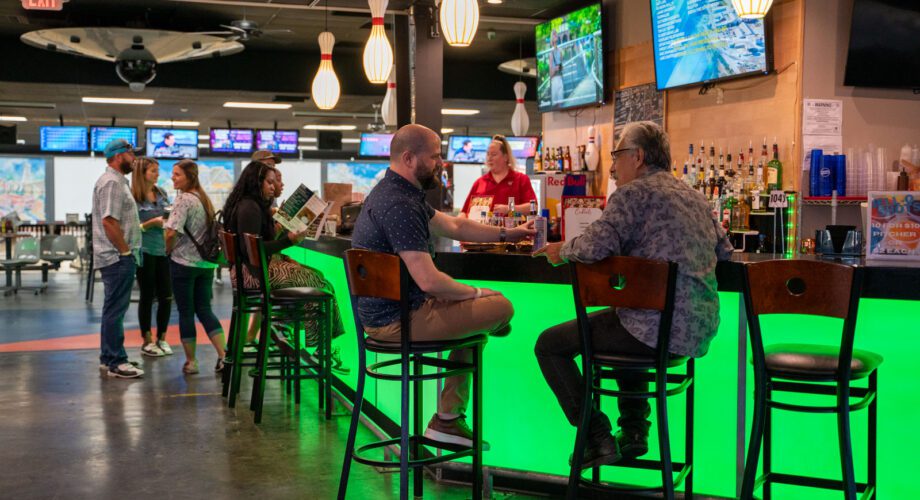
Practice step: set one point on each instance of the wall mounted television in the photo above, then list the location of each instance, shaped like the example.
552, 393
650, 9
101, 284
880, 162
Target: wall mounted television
100, 136
524, 146
63, 139
884, 44
570, 60
375, 145
231, 140
704, 41
172, 143
277, 141
468, 148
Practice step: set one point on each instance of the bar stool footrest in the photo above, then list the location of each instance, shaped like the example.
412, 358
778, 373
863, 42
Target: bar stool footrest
682, 470
456, 452
813, 482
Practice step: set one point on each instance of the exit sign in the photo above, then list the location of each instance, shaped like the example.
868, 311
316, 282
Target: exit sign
43, 4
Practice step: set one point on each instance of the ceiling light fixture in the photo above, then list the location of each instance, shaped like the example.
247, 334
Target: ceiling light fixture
306, 148
351, 141
446, 130
170, 123
13, 119
378, 55
752, 9
256, 105
306, 139
495, 2
27, 104
204, 137
330, 127
459, 21
326, 88
118, 100
459, 112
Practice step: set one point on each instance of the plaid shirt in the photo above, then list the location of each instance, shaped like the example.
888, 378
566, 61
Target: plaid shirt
112, 198
658, 217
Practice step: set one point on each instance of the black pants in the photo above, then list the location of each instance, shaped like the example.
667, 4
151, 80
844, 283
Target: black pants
153, 280
556, 349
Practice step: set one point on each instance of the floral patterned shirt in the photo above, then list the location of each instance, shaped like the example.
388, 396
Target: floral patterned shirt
658, 217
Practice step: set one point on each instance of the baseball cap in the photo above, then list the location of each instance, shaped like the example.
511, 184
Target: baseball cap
116, 146
264, 154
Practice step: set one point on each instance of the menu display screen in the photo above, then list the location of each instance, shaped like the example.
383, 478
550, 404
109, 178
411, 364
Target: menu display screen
570, 60
277, 141
523, 147
375, 145
63, 139
170, 143
468, 148
231, 140
100, 136
704, 40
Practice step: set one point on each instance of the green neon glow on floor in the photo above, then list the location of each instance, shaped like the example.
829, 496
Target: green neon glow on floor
527, 430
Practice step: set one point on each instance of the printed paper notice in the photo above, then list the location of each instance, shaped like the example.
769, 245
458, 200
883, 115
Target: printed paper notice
822, 117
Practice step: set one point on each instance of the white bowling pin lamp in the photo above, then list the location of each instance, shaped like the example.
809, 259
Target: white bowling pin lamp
378, 55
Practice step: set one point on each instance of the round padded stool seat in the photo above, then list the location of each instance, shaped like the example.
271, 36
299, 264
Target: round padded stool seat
634, 361
812, 360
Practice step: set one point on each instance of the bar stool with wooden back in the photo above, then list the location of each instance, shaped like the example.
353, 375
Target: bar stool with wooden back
290, 306
818, 289
384, 276
634, 283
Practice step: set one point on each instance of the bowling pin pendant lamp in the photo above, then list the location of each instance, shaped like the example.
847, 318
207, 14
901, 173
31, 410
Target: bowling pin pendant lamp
326, 88
459, 21
389, 101
378, 55
520, 122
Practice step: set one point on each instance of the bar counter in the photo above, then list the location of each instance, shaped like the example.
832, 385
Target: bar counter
531, 440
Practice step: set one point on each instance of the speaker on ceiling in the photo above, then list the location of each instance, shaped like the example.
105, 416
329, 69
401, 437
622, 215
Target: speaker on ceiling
8, 134
329, 139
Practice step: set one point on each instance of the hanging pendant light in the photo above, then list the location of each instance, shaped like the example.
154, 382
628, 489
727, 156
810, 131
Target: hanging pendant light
459, 20
326, 88
378, 55
751, 9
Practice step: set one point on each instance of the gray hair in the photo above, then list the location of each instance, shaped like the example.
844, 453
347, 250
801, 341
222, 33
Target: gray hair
652, 140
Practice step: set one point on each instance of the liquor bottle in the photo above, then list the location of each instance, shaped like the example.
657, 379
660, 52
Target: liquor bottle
775, 170
560, 160
744, 219
538, 162
700, 169
762, 174
567, 160
533, 210
686, 176
582, 161
674, 170
721, 180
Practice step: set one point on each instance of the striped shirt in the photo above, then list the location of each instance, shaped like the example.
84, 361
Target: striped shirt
112, 198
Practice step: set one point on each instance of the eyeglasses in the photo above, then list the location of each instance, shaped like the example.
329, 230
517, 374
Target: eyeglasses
613, 154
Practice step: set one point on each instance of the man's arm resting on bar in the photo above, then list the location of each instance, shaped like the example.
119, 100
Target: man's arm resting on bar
436, 283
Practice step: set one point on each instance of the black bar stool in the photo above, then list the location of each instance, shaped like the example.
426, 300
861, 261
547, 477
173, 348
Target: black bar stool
384, 276
635, 283
820, 289
291, 306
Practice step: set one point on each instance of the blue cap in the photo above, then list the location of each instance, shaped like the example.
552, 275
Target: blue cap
117, 146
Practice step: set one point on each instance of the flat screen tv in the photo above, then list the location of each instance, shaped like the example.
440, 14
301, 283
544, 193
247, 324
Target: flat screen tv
375, 145
277, 141
172, 143
100, 136
63, 139
468, 148
704, 41
231, 140
884, 44
570, 60
523, 147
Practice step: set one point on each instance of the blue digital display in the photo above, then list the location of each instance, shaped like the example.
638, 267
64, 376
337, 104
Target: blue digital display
699, 41
468, 148
375, 145
175, 144
64, 139
100, 136
277, 141
231, 140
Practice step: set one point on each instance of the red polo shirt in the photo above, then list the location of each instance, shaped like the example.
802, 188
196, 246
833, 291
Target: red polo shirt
514, 184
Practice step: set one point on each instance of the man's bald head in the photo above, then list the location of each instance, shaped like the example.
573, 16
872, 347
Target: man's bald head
411, 138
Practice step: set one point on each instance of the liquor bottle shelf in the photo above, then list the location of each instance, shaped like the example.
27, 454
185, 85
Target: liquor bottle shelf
827, 201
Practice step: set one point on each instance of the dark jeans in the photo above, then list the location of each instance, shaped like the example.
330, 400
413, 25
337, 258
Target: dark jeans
153, 280
192, 290
556, 349
117, 279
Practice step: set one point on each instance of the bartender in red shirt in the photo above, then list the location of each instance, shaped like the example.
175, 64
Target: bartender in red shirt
501, 181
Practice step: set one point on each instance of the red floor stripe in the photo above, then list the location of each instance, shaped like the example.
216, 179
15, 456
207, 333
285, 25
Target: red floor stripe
91, 341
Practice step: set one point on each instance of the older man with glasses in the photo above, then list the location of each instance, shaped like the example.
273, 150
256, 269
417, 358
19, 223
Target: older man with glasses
655, 216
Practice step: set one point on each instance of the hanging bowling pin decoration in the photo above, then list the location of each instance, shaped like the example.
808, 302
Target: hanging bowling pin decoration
389, 101
592, 157
520, 122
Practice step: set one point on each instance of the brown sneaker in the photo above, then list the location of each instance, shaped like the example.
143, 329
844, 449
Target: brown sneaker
454, 431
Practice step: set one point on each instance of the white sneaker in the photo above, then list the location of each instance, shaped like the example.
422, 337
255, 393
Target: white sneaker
125, 370
105, 368
152, 350
164, 346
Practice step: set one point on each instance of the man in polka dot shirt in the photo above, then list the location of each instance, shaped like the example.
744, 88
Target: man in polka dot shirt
396, 219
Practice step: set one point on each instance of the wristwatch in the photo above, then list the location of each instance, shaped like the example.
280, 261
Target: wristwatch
502, 234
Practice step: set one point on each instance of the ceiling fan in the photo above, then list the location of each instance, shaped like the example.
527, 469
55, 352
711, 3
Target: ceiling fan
243, 30
135, 52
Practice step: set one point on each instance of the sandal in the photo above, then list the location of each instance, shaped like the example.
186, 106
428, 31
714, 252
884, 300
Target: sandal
190, 367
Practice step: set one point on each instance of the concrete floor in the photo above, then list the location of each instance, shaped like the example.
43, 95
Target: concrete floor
68, 432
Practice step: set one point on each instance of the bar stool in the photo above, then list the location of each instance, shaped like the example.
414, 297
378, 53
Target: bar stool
290, 306
820, 289
384, 276
635, 283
